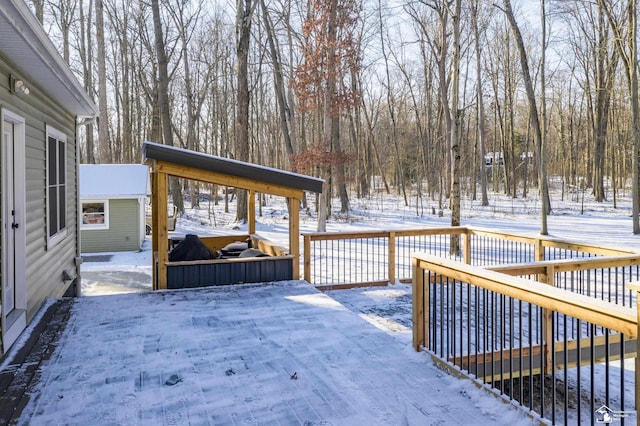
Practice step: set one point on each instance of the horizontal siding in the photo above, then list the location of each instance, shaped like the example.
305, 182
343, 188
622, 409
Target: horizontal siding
45, 266
123, 233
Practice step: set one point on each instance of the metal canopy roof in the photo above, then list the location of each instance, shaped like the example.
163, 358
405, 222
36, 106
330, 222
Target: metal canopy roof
229, 167
24, 44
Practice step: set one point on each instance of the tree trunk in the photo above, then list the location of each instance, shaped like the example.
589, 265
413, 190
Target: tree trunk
631, 69
86, 53
535, 123
480, 100
635, 107
163, 98
244, 14
279, 87
103, 119
455, 129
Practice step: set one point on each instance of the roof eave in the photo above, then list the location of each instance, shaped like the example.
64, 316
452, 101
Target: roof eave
167, 154
24, 42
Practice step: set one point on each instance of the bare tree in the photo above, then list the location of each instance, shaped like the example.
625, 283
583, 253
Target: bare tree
244, 16
480, 100
163, 97
103, 118
627, 47
535, 122
86, 58
285, 109
391, 108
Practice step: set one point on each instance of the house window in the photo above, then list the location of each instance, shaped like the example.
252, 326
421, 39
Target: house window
95, 215
56, 186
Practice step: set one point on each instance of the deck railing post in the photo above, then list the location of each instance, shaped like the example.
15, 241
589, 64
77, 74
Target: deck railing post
467, 247
538, 250
548, 278
392, 257
636, 287
307, 258
419, 301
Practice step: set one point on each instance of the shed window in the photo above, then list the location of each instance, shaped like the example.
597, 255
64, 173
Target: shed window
95, 215
56, 186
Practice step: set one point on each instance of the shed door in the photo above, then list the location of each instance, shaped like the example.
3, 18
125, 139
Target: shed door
13, 231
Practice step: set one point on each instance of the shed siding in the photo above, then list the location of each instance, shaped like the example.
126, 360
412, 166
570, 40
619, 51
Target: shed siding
45, 266
123, 233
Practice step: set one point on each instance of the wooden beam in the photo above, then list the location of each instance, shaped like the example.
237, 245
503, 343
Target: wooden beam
467, 248
307, 258
251, 212
636, 287
161, 234
226, 180
547, 320
485, 365
294, 235
154, 229
420, 308
391, 267
568, 265
330, 287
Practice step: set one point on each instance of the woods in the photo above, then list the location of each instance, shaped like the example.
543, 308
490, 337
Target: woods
433, 99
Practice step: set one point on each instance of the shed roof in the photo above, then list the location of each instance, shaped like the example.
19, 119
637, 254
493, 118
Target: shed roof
114, 180
229, 167
27, 46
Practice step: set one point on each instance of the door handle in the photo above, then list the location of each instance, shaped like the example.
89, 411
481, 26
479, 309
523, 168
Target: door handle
14, 225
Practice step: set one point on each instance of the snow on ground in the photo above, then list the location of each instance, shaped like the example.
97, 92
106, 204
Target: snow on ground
267, 354
231, 351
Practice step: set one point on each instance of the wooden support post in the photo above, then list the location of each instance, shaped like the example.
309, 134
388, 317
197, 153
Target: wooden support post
294, 235
162, 233
547, 318
307, 258
636, 287
538, 250
420, 322
251, 213
392, 257
467, 247
154, 229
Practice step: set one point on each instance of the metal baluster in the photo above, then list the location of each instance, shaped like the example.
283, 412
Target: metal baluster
579, 372
592, 355
565, 354
553, 371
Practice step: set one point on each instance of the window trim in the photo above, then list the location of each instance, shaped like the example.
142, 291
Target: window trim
105, 225
55, 239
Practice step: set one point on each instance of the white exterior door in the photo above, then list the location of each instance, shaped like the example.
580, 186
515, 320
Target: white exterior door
14, 283
8, 272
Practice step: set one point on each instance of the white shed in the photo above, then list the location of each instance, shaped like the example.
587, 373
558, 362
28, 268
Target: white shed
112, 206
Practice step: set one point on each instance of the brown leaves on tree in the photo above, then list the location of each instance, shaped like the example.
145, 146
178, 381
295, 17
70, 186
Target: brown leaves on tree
324, 58
319, 156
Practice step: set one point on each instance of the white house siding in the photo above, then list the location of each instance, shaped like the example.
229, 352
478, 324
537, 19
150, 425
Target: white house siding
45, 266
123, 233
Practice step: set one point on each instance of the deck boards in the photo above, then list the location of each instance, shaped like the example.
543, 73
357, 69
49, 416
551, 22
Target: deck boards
226, 355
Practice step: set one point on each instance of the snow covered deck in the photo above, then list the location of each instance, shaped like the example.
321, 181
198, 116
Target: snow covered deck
280, 353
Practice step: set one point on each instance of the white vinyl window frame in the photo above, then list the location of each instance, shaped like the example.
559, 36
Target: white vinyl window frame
94, 220
57, 220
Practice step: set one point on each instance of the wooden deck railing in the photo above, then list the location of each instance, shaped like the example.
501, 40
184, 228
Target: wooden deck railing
547, 342
381, 257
